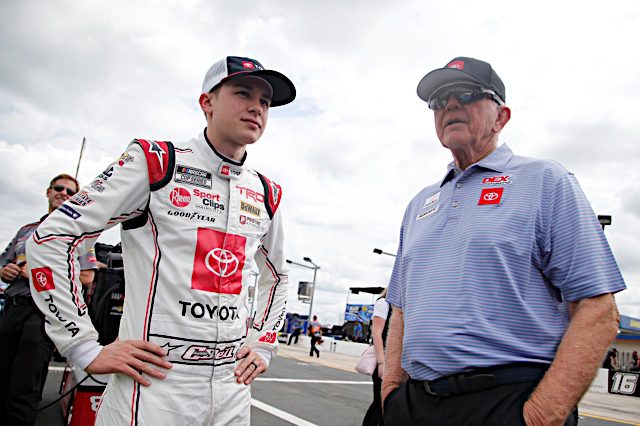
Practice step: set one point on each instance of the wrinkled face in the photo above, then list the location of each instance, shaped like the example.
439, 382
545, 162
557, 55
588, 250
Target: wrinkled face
240, 108
58, 192
465, 126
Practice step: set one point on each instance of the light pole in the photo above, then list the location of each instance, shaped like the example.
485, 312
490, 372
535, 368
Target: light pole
315, 271
378, 251
604, 220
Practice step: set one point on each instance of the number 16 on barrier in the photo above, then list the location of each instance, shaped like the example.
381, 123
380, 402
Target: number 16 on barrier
624, 383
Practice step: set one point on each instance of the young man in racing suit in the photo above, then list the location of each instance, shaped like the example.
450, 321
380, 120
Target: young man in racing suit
193, 218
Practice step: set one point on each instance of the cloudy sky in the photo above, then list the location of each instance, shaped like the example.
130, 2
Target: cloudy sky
357, 143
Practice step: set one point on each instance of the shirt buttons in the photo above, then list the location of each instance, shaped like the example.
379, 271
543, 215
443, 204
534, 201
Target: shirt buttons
458, 185
454, 204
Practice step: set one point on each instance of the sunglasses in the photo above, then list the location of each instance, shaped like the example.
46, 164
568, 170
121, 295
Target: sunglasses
60, 188
464, 95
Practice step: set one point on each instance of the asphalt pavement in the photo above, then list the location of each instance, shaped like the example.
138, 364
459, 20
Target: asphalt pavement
307, 391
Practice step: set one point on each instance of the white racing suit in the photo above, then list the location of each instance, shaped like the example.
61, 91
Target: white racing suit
192, 221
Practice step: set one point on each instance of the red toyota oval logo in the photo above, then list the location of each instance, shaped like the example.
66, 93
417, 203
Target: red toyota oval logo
180, 197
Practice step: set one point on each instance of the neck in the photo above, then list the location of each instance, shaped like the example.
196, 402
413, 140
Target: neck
228, 149
464, 158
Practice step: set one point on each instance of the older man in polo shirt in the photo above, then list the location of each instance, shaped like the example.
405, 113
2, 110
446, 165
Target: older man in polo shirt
502, 275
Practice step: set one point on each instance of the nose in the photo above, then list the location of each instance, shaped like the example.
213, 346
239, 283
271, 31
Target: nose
256, 107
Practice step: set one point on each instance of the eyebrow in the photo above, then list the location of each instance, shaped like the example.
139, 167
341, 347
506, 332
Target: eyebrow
251, 88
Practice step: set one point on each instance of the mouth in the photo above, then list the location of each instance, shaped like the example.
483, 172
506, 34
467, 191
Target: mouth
251, 121
453, 121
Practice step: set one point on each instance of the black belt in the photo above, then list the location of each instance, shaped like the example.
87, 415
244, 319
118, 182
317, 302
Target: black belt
478, 380
19, 300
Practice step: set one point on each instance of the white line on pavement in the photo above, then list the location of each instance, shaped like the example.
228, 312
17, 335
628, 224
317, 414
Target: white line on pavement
279, 413
332, 382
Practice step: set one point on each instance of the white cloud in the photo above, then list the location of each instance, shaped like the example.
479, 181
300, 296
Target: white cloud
357, 144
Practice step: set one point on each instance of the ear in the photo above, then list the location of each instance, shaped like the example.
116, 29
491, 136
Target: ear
504, 115
205, 103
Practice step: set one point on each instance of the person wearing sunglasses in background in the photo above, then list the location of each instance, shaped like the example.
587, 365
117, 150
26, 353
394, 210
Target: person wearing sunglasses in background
25, 349
502, 275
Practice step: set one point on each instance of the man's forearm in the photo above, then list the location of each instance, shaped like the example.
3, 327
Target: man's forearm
593, 326
394, 375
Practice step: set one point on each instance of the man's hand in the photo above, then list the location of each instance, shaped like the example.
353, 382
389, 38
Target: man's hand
10, 272
251, 366
131, 357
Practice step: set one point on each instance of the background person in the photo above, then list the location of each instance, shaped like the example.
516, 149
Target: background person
25, 349
380, 326
494, 288
193, 219
315, 331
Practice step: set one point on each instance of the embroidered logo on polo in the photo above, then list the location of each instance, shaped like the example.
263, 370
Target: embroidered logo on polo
192, 176
496, 180
218, 262
490, 196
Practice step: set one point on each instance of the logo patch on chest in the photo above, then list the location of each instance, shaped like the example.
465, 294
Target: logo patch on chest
490, 196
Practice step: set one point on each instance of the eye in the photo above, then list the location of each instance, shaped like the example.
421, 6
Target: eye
243, 93
265, 103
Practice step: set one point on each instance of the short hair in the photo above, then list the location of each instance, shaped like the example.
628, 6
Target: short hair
65, 176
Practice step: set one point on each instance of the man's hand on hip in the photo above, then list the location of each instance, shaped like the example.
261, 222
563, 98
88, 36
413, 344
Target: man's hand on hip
251, 366
131, 357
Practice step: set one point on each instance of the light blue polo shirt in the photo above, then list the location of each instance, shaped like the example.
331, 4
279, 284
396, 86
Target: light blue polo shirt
488, 259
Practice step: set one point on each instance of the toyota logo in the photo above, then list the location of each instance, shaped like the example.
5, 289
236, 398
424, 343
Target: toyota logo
225, 263
490, 196
41, 277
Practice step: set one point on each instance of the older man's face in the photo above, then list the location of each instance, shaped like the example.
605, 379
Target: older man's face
466, 126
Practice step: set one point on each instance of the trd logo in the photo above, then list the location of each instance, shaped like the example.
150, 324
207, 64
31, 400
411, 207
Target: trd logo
251, 194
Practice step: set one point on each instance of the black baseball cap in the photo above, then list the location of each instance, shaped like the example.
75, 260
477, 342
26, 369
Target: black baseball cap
233, 66
461, 70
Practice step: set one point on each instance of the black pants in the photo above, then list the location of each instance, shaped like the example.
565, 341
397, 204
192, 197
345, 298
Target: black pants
410, 404
291, 337
374, 413
25, 352
314, 340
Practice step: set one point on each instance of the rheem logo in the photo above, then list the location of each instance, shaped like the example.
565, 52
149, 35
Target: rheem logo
180, 197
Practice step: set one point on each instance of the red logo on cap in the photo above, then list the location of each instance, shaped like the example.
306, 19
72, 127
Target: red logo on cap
42, 279
218, 262
180, 197
490, 196
249, 65
459, 65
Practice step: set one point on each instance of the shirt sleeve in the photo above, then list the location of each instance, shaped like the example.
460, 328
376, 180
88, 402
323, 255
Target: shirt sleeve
381, 308
273, 287
577, 258
119, 193
395, 291
88, 260
9, 253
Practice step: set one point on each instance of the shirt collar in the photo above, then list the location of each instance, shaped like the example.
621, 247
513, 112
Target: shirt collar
496, 161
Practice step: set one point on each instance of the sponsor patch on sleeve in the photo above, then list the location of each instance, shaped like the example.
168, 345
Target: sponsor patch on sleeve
69, 211
42, 279
269, 337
